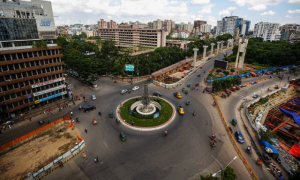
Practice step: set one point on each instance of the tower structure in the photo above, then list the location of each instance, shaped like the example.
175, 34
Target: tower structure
241, 53
146, 100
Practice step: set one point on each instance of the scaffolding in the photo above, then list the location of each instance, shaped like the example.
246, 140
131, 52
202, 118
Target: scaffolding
283, 124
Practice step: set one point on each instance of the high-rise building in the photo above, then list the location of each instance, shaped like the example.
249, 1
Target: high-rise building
229, 25
204, 28
267, 31
167, 26
31, 70
158, 24
102, 24
198, 23
288, 27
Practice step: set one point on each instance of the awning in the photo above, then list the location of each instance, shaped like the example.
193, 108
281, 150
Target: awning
253, 74
186, 66
295, 150
266, 144
295, 116
181, 69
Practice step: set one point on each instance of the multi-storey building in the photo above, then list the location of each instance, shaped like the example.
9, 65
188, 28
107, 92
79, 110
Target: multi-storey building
231, 23
267, 31
205, 28
31, 70
288, 27
158, 24
132, 36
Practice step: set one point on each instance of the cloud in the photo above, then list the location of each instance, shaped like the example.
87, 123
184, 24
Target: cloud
226, 11
123, 10
212, 21
173, 2
288, 16
293, 11
198, 2
267, 13
257, 5
294, 1
206, 9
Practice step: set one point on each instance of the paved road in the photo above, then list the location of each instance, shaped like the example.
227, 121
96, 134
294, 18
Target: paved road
147, 155
230, 107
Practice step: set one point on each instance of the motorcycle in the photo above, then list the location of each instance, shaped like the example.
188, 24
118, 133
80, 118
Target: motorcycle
249, 150
165, 134
213, 144
117, 121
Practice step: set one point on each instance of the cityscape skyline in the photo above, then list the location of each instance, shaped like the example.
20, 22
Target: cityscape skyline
277, 11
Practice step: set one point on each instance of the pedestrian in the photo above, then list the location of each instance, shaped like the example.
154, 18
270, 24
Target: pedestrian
83, 155
203, 91
71, 113
96, 159
288, 78
85, 130
9, 126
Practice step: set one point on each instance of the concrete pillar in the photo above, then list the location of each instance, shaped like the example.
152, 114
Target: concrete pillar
228, 43
195, 57
218, 46
222, 42
204, 53
212, 48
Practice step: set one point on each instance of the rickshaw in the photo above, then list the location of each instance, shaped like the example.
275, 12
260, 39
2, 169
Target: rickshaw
186, 91
189, 85
187, 102
111, 115
234, 122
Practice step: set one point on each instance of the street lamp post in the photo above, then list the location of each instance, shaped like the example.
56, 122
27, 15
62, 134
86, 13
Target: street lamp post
220, 171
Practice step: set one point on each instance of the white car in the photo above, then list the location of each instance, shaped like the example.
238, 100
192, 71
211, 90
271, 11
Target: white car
135, 88
123, 91
94, 97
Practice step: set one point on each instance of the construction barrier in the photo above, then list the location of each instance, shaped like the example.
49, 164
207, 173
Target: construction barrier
31, 134
58, 162
248, 167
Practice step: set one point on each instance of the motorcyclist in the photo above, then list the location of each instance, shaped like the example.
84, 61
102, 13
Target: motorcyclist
213, 137
214, 143
77, 119
165, 133
80, 107
249, 149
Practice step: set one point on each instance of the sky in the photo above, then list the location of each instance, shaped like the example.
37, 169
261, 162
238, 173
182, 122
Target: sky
90, 11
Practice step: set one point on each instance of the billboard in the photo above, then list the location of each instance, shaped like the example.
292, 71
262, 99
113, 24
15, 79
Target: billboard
129, 67
221, 64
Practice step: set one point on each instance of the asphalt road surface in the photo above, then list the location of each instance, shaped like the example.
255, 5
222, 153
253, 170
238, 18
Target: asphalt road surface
147, 155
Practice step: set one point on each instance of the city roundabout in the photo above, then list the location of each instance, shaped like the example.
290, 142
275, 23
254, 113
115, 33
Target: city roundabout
145, 113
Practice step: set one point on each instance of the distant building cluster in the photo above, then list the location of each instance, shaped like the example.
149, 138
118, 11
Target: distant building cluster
233, 25
275, 32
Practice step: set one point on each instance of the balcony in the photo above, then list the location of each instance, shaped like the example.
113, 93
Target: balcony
30, 59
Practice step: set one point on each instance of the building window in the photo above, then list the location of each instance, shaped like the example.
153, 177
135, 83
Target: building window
25, 55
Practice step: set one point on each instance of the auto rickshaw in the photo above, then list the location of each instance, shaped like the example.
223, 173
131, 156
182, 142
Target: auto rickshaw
189, 85
111, 115
94, 121
187, 102
186, 91
234, 122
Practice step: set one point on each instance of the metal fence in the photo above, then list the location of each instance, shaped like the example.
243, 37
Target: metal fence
56, 163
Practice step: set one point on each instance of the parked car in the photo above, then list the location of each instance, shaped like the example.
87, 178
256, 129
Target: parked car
255, 96
135, 88
158, 94
239, 137
94, 97
123, 91
88, 107
123, 137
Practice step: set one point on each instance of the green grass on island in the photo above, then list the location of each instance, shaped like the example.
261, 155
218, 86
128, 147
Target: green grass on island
146, 121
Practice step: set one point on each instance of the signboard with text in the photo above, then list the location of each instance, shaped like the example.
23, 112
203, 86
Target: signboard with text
129, 67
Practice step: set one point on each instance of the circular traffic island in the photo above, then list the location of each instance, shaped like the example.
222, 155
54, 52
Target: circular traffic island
146, 113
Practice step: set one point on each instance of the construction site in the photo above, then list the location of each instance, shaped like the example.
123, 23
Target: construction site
279, 113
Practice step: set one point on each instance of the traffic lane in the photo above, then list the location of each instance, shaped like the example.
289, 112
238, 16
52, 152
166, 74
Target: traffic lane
236, 100
183, 132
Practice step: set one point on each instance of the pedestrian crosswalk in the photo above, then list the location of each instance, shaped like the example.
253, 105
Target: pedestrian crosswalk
237, 94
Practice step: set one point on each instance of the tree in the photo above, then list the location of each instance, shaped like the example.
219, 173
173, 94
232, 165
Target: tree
226, 73
40, 44
219, 70
228, 174
268, 135
224, 37
232, 70
208, 177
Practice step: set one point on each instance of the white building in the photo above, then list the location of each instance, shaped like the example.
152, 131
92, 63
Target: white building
288, 27
204, 28
267, 31
158, 24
